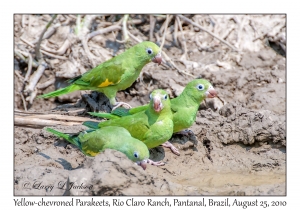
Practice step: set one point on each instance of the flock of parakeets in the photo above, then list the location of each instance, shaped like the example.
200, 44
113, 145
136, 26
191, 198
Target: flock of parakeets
136, 130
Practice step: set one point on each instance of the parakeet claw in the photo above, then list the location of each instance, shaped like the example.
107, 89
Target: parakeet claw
173, 149
118, 104
158, 163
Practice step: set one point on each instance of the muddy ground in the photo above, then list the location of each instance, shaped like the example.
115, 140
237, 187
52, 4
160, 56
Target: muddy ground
239, 146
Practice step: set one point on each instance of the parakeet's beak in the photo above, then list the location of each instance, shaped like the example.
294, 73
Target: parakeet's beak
157, 59
143, 164
211, 93
157, 105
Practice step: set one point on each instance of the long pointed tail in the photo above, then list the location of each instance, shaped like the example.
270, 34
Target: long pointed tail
72, 140
104, 115
61, 91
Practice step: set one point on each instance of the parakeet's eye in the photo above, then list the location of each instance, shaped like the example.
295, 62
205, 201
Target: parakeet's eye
150, 96
200, 87
149, 51
165, 97
136, 154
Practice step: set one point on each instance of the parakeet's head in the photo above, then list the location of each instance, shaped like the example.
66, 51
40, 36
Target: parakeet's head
148, 51
199, 89
159, 100
120, 139
137, 151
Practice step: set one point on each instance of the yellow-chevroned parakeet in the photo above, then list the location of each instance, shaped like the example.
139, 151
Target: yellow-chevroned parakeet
153, 126
184, 107
116, 74
93, 142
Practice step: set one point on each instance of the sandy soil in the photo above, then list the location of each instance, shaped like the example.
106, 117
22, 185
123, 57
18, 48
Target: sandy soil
239, 146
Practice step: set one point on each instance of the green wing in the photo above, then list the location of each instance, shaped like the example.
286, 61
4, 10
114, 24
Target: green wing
137, 124
106, 74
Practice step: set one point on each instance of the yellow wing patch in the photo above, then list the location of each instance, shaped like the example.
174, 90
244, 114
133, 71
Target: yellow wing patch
106, 83
91, 153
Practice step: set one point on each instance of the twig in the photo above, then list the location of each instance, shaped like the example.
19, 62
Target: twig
134, 37
36, 122
57, 117
183, 38
35, 77
165, 32
82, 30
21, 55
103, 31
38, 45
124, 28
46, 84
61, 50
212, 34
162, 28
19, 75
173, 64
27, 42
32, 96
23, 100
152, 24
23, 21
54, 56
44, 52
175, 31
29, 68
48, 33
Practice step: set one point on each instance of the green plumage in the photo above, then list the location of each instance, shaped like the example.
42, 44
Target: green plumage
184, 107
116, 74
92, 143
152, 126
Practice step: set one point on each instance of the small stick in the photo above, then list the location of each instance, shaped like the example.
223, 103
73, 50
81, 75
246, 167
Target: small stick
183, 39
152, 25
180, 71
38, 45
212, 34
35, 77
24, 102
175, 31
28, 73
134, 37
165, 32
26, 60
124, 28
61, 50
43, 51
32, 96
104, 31
54, 56
58, 117
19, 75
36, 122
46, 84
23, 21
162, 28
27, 42
48, 33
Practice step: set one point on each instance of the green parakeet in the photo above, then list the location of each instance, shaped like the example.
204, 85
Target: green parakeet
92, 143
153, 126
116, 74
184, 107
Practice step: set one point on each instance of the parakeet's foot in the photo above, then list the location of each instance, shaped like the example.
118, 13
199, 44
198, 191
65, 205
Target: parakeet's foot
186, 132
173, 149
118, 104
158, 163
